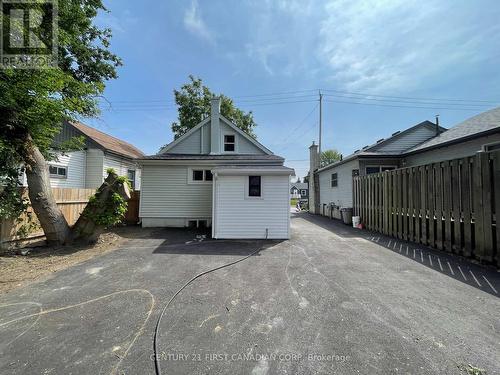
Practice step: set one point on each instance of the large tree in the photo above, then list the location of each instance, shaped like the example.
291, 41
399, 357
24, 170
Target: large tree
329, 157
193, 102
34, 103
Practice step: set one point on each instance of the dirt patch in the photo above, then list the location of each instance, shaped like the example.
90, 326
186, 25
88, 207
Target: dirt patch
17, 269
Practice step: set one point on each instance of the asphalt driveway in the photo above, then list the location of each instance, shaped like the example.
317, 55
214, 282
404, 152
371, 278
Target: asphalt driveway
330, 300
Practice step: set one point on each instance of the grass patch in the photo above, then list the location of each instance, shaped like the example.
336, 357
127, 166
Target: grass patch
293, 202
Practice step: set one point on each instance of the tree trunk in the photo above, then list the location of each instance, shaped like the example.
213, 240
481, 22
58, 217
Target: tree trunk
51, 219
86, 229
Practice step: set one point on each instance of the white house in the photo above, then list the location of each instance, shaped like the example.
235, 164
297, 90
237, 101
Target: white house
217, 175
86, 169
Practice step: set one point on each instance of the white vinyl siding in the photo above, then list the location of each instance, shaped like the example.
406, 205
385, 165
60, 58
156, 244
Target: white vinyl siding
95, 158
341, 195
240, 216
167, 194
74, 162
121, 167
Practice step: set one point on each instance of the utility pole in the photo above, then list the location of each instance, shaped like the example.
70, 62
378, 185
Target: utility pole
320, 121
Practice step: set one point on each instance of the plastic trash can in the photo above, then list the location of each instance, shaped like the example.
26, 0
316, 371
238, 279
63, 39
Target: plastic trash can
346, 215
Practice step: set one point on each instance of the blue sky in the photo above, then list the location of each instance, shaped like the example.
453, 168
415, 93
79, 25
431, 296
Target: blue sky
364, 50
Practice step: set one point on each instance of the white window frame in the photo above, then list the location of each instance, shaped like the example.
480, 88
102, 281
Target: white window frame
336, 179
247, 187
224, 143
65, 167
190, 179
135, 177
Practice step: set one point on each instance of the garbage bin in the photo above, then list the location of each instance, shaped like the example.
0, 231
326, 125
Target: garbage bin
346, 215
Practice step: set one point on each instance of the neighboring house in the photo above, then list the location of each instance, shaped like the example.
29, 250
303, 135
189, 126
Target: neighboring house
299, 190
421, 144
217, 175
87, 168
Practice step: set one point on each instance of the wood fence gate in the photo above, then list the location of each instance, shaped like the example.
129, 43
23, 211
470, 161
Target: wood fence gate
449, 205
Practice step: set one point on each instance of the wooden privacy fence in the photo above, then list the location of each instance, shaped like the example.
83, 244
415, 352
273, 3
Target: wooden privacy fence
72, 202
132, 215
450, 205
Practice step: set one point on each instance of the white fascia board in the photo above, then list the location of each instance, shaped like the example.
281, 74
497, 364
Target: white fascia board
184, 136
242, 133
252, 171
208, 162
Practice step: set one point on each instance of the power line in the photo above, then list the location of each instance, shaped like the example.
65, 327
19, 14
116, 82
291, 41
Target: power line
300, 123
403, 106
408, 102
415, 98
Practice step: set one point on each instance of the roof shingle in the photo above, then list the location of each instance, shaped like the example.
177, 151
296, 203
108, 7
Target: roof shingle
109, 142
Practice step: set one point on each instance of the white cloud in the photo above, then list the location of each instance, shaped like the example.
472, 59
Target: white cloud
395, 45
194, 23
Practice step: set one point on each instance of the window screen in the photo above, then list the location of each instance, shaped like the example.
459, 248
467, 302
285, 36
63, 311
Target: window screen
254, 186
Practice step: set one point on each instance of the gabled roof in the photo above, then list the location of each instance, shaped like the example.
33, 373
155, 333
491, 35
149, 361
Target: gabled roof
374, 150
300, 185
108, 142
207, 121
476, 126
184, 136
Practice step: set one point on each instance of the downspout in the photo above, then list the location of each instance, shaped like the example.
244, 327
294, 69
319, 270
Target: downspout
214, 205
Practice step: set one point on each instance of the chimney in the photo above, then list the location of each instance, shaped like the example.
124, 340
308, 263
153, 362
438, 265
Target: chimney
313, 181
214, 125
437, 125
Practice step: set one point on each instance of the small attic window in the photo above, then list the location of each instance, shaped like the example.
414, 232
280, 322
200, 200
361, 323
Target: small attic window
229, 143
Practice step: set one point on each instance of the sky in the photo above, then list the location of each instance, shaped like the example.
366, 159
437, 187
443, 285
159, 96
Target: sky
382, 66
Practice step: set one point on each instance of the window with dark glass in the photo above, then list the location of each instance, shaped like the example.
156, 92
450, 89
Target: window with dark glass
372, 170
254, 186
229, 143
131, 177
57, 171
334, 181
197, 175
208, 175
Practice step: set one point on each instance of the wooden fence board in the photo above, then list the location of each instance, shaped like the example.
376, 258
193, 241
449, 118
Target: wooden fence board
452, 205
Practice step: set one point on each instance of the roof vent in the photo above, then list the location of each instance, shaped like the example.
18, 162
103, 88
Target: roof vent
396, 133
356, 151
364, 148
380, 140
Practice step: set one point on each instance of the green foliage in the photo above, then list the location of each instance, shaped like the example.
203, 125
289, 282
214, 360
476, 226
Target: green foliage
112, 213
193, 102
329, 157
34, 103
110, 171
